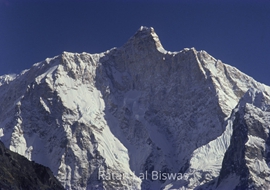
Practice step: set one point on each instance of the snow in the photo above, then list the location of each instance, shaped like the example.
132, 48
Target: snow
128, 111
209, 157
45, 105
5, 79
1, 132
18, 142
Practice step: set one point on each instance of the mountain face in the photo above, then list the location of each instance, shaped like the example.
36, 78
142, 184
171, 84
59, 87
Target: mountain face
140, 117
246, 161
16, 172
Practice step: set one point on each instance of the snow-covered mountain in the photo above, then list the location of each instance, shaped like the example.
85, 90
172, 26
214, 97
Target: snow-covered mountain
140, 117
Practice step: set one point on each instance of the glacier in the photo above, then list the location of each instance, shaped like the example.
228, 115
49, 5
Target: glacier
136, 110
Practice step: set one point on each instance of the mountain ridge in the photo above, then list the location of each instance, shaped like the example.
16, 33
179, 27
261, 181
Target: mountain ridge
19, 173
130, 110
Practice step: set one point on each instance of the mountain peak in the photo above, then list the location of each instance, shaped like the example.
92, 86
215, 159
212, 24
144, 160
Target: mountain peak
255, 97
146, 29
146, 37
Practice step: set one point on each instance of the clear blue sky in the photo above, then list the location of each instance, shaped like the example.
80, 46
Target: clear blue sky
236, 32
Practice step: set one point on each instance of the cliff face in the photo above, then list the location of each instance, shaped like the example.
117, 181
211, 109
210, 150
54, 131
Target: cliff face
128, 113
246, 160
16, 172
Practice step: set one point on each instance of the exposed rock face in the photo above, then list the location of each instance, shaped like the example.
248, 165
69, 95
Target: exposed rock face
247, 158
128, 113
16, 172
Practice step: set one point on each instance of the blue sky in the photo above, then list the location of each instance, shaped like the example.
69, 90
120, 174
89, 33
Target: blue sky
236, 32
